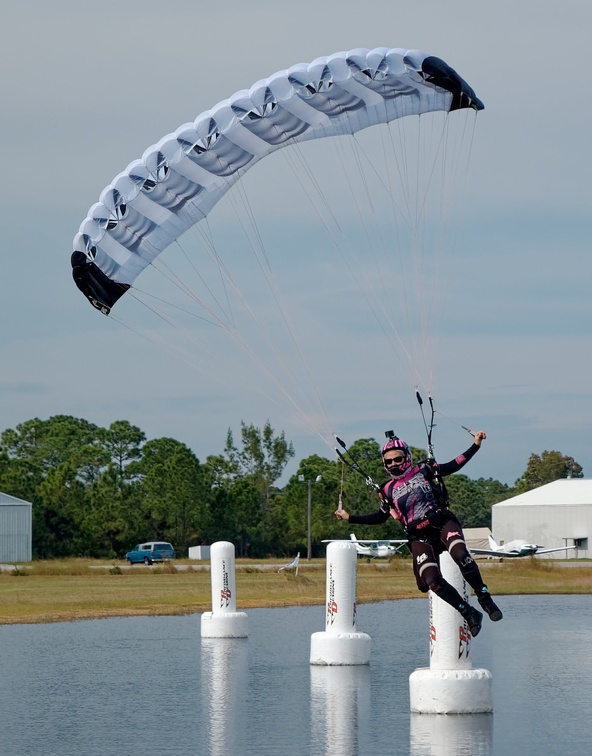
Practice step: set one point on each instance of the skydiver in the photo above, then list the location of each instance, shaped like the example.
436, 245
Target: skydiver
416, 497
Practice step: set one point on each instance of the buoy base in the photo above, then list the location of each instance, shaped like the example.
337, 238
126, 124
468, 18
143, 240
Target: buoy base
451, 691
340, 649
227, 625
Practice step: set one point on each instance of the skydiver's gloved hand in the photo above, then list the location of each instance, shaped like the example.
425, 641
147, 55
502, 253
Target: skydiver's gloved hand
479, 436
341, 514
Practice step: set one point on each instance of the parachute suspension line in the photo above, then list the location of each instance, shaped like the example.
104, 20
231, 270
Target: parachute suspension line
163, 268
435, 172
257, 246
207, 366
398, 183
263, 366
312, 191
456, 422
145, 298
204, 230
260, 253
410, 219
427, 280
254, 239
187, 356
357, 275
378, 305
453, 156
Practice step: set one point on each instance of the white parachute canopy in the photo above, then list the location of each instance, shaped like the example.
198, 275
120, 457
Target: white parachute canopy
178, 181
362, 99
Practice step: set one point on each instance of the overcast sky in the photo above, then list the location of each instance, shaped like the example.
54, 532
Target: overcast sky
86, 88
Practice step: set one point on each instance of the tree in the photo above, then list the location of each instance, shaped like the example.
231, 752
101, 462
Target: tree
247, 476
50, 463
47, 443
467, 501
545, 468
123, 442
286, 523
494, 491
173, 493
262, 458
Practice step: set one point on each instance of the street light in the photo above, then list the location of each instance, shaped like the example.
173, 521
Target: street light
309, 484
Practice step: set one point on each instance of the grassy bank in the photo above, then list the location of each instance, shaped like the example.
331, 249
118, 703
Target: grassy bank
82, 589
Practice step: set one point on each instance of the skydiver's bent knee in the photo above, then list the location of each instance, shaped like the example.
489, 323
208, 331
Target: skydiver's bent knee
461, 555
427, 575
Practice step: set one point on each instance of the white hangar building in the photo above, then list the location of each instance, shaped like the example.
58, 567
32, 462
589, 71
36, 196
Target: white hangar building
15, 529
557, 514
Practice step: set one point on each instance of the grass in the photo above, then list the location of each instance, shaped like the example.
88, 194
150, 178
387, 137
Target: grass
73, 589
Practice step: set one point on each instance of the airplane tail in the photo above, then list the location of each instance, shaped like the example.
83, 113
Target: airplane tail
353, 537
493, 545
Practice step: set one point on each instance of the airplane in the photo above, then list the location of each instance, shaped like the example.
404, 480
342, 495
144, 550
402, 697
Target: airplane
517, 548
374, 548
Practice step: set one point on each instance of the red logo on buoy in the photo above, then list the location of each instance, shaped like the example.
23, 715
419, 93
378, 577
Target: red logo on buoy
331, 611
464, 641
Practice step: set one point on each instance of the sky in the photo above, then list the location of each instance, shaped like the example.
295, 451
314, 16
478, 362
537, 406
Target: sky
86, 89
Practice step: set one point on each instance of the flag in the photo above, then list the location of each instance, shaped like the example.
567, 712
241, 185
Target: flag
293, 563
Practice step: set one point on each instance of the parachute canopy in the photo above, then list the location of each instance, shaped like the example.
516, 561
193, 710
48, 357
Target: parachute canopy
180, 179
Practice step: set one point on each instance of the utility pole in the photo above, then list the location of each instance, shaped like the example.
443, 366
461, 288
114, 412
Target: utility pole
309, 513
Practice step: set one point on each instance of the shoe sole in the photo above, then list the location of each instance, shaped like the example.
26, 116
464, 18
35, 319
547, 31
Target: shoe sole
495, 615
475, 627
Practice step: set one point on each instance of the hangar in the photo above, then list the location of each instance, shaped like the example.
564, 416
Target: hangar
553, 515
15, 529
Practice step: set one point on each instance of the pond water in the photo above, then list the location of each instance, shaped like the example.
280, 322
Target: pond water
153, 685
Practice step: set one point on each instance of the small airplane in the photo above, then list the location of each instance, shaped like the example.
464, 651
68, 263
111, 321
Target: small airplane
517, 548
376, 549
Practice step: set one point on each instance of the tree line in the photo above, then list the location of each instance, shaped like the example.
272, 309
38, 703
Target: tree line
96, 492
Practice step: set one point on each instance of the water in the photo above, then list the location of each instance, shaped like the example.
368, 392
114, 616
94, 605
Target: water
152, 685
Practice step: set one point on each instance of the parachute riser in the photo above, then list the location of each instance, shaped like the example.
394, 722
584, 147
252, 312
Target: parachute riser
353, 465
429, 428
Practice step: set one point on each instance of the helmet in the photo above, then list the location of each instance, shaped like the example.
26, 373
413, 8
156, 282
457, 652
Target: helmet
397, 470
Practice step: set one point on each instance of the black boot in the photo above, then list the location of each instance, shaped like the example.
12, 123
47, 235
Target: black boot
488, 605
473, 618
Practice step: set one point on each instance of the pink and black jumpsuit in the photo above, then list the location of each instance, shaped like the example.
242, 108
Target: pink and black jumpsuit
418, 500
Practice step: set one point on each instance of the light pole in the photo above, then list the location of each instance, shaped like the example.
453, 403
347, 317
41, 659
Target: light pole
309, 539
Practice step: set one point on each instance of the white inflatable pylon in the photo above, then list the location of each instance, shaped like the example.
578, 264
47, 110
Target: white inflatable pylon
223, 621
340, 643
450, 685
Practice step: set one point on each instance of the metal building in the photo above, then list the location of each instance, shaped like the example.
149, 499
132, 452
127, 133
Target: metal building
16, 531
557, 514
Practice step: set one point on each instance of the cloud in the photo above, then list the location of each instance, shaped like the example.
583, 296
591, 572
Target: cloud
91, 88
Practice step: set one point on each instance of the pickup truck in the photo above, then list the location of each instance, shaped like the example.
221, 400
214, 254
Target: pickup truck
153, 551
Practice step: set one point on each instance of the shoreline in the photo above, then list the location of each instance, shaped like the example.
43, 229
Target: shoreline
75, 590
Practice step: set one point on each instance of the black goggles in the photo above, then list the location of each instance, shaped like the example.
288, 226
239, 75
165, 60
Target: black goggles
394, 461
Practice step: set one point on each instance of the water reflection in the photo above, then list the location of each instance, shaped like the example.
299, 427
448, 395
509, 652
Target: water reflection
340, 703
451, 735
146, 683
224, 680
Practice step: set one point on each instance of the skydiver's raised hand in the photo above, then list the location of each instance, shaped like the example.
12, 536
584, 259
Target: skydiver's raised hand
479, 436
